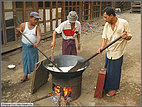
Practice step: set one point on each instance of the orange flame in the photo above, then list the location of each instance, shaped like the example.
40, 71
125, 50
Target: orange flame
57, 90
66, 91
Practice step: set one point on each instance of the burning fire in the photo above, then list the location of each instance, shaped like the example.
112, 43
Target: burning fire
63, 91
67, 91
57, 90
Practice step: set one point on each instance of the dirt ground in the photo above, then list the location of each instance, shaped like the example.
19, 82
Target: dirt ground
130, 87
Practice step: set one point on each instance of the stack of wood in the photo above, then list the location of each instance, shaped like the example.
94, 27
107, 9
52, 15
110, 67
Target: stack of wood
136, 6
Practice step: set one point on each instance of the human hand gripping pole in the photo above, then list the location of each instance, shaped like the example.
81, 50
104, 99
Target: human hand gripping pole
80, 64
41, 51
52, 54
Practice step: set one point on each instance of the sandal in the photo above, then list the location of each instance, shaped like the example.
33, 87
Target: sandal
109, 94
117, 91
23, 80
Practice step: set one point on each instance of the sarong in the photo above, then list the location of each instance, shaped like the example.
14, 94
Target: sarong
113, 75
69, 47
30, 57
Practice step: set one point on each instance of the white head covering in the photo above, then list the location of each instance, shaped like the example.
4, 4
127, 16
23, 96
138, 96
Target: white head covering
72, 17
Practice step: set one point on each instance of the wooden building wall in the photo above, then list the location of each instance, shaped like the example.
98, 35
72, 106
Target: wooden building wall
14, 13
52, 13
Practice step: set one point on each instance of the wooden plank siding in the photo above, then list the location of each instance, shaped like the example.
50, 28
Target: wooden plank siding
86, 10
3, 25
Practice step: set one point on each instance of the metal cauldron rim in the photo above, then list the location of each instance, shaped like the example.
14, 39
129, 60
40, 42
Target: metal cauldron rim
66, 74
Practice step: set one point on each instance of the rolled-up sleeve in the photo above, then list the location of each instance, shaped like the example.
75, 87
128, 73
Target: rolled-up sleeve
127, 28
104, 35
59, 29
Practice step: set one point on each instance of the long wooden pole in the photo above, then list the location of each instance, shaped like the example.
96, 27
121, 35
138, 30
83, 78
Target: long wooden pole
80, 64
41, 52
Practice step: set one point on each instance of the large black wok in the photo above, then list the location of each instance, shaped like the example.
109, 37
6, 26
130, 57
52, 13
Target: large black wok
66, 61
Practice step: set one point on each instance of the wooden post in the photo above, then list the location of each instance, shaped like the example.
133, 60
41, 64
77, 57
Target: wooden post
100, 9
3, 25
36, 6
80, 10
92, 9
68, 7
51, 28
76, 6
71, 5
44, 19
63, 11
14, 17
56, 13
89, 8
24, 5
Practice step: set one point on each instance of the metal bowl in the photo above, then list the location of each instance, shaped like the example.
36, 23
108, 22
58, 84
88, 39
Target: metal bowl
66, 61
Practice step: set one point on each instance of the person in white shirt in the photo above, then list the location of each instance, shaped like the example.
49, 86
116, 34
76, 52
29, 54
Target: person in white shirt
69, 29
114, 28
29, 51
